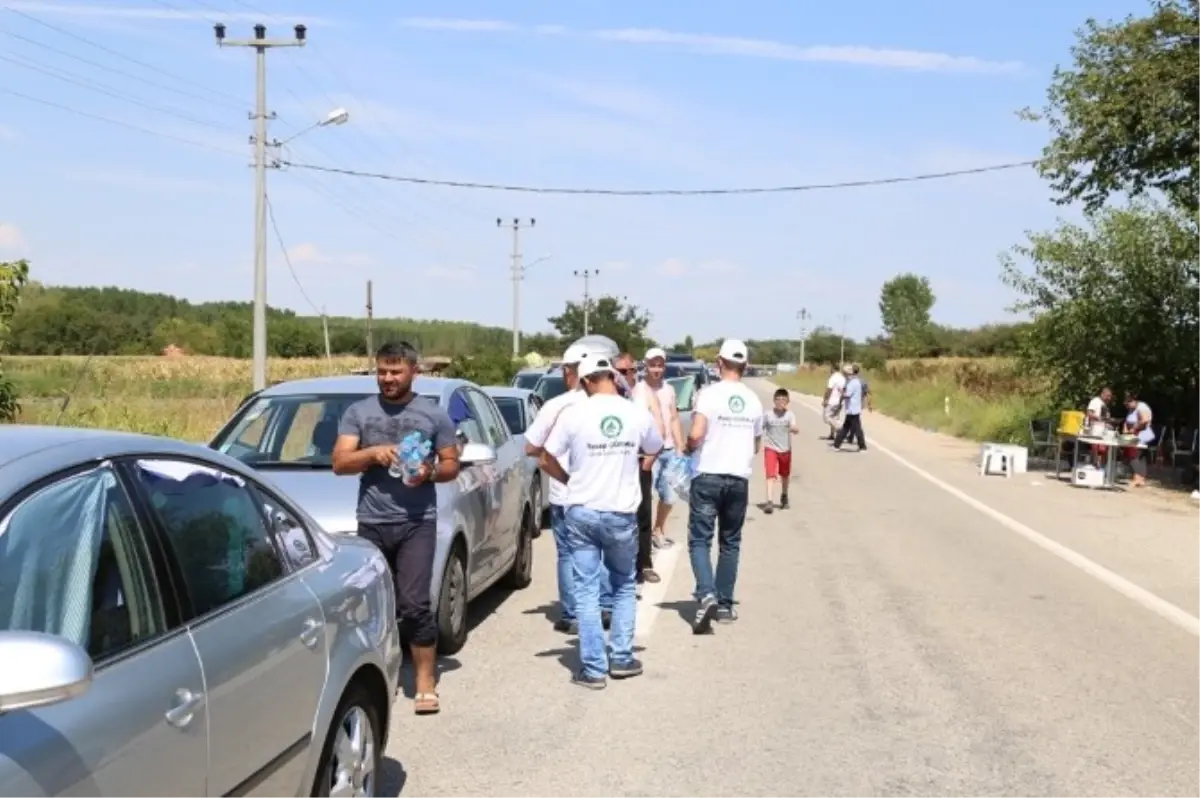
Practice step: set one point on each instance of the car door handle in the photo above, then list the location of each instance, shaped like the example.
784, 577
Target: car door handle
312, 633
183, 707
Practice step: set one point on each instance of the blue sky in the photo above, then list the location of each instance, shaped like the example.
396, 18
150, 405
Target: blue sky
600, 94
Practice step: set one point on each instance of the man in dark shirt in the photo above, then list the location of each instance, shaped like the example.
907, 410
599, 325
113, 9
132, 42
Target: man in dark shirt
396, 514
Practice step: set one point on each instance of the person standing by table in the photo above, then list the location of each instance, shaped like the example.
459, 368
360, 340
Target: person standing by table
1138, 422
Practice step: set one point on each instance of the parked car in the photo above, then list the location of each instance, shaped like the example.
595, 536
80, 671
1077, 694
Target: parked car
486, 521
550, 385
519, 408
171, 623
528, 378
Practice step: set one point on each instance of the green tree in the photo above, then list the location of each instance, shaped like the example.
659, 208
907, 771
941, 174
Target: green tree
493, 367
1124, 117
1114, 303
904, 306
13, 276
625, 324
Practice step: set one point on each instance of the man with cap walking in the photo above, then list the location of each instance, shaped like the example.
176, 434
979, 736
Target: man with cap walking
535, 441
726, 435
853, 399
601, 438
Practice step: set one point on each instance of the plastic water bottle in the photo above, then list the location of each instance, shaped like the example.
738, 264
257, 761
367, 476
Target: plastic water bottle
680, 470
413, 450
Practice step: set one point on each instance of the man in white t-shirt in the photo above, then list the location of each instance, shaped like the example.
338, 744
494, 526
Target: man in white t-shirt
831, 403
726, 434
1098, 407
654, 391
601, 439
535, 440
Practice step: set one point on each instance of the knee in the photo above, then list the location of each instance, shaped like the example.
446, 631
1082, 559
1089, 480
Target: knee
418, 626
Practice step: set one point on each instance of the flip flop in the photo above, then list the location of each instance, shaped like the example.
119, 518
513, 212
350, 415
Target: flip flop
426, 704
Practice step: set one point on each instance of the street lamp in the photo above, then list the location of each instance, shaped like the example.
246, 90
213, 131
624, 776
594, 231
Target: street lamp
338, 116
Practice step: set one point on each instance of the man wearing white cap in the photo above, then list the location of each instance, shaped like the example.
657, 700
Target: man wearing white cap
656, 393
535, 440
601, 438
726, 434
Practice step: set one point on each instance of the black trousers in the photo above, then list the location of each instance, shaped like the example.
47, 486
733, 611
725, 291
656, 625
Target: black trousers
645, 522
851, 428
410, 547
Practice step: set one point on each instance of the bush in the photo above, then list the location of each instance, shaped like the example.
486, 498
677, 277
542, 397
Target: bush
484, 368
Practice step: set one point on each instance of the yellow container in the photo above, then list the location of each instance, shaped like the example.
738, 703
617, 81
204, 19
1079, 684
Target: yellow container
1070, 422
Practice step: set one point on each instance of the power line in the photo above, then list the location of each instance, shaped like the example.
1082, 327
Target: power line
660, 192
288, 258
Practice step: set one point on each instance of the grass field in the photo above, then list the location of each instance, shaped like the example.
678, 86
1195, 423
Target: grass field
187, 397
985, 399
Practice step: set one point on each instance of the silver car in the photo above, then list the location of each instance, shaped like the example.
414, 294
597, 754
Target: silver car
528, 378
171, 623
520, 407
486, 521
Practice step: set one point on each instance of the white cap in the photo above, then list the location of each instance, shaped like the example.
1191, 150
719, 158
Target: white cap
733, 351
654, 352
592, 363
575, 354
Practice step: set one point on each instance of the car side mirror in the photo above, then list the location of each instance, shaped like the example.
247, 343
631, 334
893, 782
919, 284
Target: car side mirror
38, 669
477, 454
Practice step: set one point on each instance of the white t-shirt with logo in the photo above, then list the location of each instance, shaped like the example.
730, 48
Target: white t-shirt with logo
539, 432
666, 403
601, 437
836, 386
735, 421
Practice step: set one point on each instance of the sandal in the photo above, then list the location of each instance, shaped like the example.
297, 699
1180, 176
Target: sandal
427, 704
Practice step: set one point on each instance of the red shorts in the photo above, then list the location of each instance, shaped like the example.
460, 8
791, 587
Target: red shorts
778, 464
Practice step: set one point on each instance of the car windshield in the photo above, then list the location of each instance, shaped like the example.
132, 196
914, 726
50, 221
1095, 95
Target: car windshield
286, 431
550, 386
510, 408
527, 380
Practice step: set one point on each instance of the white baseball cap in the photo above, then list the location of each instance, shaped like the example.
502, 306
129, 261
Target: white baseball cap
654, 352
733, 351
575, 354
592, 363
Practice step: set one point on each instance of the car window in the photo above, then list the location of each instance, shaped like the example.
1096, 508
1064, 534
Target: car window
510, 409
466, 419
489, 417
550, 386
215, 529
527, 380
293, 539
74, 563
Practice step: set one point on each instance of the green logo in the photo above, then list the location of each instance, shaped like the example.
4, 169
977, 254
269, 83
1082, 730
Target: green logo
611, 426
736, 404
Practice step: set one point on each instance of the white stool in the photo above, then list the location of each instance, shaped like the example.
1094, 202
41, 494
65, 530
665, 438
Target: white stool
995, 460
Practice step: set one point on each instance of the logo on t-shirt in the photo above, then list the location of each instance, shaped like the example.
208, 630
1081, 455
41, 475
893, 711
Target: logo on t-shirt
736, 404
611, 426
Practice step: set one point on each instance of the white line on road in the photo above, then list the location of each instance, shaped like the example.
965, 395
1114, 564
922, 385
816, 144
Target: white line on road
1140, 595
665, 561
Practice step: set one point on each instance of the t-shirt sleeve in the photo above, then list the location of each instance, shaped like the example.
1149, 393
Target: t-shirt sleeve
704, 403
351, 422
537, 432
831, 383
1095, 406
443, 430
559, 440
652, 441
758, 422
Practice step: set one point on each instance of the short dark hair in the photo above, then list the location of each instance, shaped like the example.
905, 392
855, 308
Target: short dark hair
402, 351
781, 393
1131, 396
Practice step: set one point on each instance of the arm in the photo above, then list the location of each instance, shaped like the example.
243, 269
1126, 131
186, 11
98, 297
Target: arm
539, 431
652, 441
794, 428
698, 431
758, 433
677, 430
348, 459
555, 446
446, 442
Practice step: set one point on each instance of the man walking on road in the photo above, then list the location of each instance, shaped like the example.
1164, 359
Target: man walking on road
396, 514
658, 394
853, 400
779, 424
535, 442
726, 433
601, 438
626, 369
831, 403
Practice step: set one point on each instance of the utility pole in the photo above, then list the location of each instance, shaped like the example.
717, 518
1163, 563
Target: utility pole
842, 357
261, 44
328, 350
370, 325
518, 274
802, 317
587, 275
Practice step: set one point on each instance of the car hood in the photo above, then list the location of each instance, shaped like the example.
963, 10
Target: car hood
331, 500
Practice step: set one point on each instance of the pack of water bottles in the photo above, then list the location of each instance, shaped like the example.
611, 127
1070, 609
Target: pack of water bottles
411, 454
679, 470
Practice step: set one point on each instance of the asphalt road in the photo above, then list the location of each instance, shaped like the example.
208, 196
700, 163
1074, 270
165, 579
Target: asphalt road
901, 632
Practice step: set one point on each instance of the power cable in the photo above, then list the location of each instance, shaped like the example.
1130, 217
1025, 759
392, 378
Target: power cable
288, 258
660, 192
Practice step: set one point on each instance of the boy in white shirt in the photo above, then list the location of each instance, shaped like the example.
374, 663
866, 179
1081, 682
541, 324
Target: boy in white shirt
601, 438
727, 428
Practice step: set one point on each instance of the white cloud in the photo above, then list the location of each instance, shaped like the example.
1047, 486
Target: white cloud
673, 267
736, 46
81, 11
11, 238
308, 253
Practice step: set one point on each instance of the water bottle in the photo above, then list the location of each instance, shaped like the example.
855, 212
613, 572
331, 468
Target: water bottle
680, 469
410, 456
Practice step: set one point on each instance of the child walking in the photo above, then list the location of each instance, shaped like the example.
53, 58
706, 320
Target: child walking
779, 424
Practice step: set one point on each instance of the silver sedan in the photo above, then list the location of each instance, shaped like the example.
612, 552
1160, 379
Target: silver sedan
173, 624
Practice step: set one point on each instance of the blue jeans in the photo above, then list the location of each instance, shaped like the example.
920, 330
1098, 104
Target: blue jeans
566, 577
601, 541
718, 502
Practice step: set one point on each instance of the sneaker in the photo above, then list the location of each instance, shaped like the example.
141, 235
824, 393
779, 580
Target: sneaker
705, 612
726, 615
570, 627
625, 670
768, 508
590, 682
783, 502
606, 619
661, 541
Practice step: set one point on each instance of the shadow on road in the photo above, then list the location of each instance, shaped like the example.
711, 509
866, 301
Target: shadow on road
568, 655
392, 777
444, 665
485, 606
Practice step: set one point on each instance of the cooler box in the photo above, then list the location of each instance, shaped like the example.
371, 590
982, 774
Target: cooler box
1018, 456
1087, 476
1070, 422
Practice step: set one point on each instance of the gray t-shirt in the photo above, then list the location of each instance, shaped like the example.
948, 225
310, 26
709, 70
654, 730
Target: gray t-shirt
777, 430
382, 498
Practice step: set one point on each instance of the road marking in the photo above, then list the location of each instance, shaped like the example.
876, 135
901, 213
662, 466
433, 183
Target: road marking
665, 561
1159, 606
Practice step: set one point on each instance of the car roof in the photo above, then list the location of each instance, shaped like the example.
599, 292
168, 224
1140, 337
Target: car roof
359, 384
534, 370
507, 392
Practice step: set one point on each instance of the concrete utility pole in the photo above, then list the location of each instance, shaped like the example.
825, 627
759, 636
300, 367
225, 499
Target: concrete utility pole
803, 317
518, 274
842, 357
587, 275
261, 44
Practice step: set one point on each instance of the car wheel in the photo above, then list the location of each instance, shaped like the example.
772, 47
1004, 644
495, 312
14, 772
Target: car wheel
352, 755
452, 605
535, 501
520, 575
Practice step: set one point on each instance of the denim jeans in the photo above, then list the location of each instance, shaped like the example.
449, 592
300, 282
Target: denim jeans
718, 502
666, 494
601, 541
566, 577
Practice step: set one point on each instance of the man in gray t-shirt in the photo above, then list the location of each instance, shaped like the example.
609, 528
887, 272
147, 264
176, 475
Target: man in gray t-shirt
400, 515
